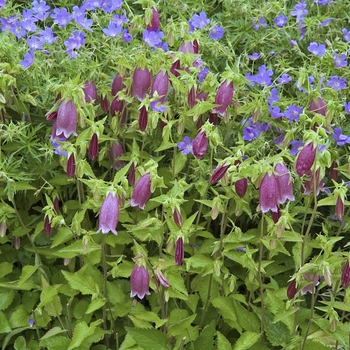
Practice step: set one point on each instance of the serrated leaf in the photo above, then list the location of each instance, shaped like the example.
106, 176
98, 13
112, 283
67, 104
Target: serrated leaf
179, 163
52, 332
95, 305
58, 342
19, 317
149, 339
20, 343
206, 338
63, 235
11, 334
4, 324
248, 320
246, 340
6, 298
85, 285
48, 294
149, 317
226, 310
5, 269
222, 342
75, 249
27, 272
277, 333
140, 323
178, 328
121, 174
81, 331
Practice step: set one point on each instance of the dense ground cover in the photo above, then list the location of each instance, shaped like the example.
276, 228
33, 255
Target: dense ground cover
174, 176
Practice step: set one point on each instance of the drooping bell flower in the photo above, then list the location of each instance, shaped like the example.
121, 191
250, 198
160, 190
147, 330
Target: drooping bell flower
241, 186
90, 92
218, 173
17, 242
142, 192
117, 84
117, 106
292, 289
179, 251
71, 166
161, 279
313, 278
305, 159
309, 184
141, 82
139, 282
186, 47
161, 85
53, 115
284, 183
47, 226
339, 208
93, 146
143, 118
109, 214
223, 97
155, 21
115, 151
318, 106
333, 172
345, 275
66, 122
200, 144
177, 217
268, 193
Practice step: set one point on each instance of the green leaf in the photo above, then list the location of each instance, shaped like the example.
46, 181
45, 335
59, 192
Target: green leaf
86, 285
222, 342
248, 320
22, 186
52, 332
277, 332
246, 340
48, 294
95, 305
225, 306
149, 339
10, 335
19, 317
6, 298
149, 317
81, 331
5, 269
55, 343
178, 328
206, 338
179, 162
63, 235
4, 324
27, 272
20, 343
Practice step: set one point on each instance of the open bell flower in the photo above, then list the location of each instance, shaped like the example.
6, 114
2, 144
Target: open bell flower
305, 159
90, 92
268, 193
284, 183
142, 192
66, 122
109, 214
200, 144
139, 281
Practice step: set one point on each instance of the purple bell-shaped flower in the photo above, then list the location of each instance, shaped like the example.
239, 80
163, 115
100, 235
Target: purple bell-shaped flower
139, 281
305, 159
66, 122
142, 192
141, 82
200, 144
223, 97
109, 214
268, 193
284, 183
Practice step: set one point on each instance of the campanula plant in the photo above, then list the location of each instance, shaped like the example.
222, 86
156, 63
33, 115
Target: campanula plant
174, 175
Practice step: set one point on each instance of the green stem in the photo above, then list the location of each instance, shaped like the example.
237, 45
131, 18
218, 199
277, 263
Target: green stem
262, 317
69, 321
206, 302
104, 265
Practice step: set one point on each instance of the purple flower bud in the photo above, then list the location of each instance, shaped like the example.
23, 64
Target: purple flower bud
56, 205
218, 173
241, 186
53, 115
117, 84
284, 183
117, 106
200, 144
3, 228
177, 217
318, 106
333, 173
142, 192
17, 242
268, 193
66, 119
160, 279
139, 281
143, 118
309, 184
109, 214
115, 151
191, 97
90, 91
179, 251
175, 68
276, 216
161, 85
47, 226
305, 159
223, 97
131, 175
141, 82
93, 147
292, 289
213, 118
339, 208
104, 104
71, 166
187, 47
155, 21
345, 275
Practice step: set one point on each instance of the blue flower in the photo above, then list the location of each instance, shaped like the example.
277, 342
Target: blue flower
284, 79
263, 77
346, 34
336, 82
340, 60
203, 74
260, 24
280, 20
185, 146
275, 112
158, 107
317, 49
340, 138
198, 21
152, 38
112, 30
61, 16
296, 145
28, 59
254, 56
347, 107
216, 32
293, 113
300, 11
326, 22
126, 36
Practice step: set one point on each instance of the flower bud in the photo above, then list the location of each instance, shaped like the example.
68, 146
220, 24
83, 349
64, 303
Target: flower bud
56, 205
143, 118
115, 151
186, 47
223, 97
142, 192
305, 159
318, 106
141, 82
139, 281
90, 92
218, 173
117, 84
200, 144
160, 278
155, 21
66, 261
17, 242
179, 251
71, 166
53, 115
104, 104
327, 275
161, 85
175, 68
109, 214
213, 118
333, 173
191, 97
284, 183
309, 184
268, 193
241, 186
177, 217
66, 119
292, 289
93, 147
2, 229
276, 215
345, 275
131, 175
339, 208
47, 226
